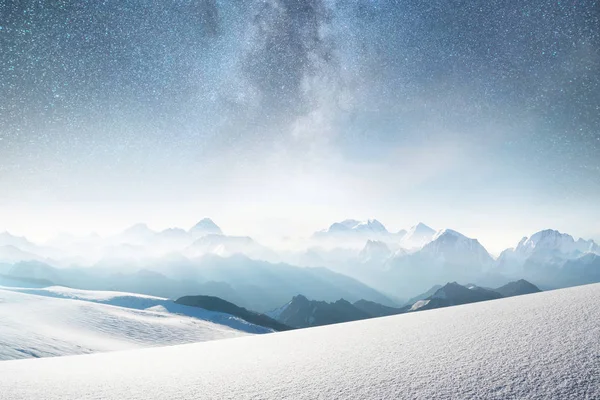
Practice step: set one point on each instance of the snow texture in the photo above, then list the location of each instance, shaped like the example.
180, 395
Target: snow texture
59, 321
539, 346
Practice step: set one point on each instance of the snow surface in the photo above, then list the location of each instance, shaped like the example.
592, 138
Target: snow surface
61, 321
538, 346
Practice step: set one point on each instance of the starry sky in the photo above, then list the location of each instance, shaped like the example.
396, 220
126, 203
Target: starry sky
281, 116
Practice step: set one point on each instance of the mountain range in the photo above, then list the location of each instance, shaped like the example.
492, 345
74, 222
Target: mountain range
301, 312
257, 285
394, 266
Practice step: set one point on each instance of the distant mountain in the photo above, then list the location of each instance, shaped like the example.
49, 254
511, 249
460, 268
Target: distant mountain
204, 227
32, 270
12, 254
417, 236
302, 313
226, 246
546, 245
401, 233
517, 288
453, 294
19, 248
265, 286
376, 309
352, 225
456, 248
20, 242
213, 303
424, 295
255, 285
136, 234
375, 251
580, 271
8, 280
449, 256
353, 233
550, 241
551, 259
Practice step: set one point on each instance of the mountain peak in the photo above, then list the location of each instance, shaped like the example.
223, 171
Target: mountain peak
456, 248
355, 225
421, 228
375, 250
517, 288
300, 297
205, 226
449, 232
418, 236
549, 240
345, 225
371, 225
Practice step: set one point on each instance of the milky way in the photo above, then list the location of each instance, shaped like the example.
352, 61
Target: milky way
137, 90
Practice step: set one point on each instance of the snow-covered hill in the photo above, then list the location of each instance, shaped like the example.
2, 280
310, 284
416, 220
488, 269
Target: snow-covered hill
537, 346
59, 321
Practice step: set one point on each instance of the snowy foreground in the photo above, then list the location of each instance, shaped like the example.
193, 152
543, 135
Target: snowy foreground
544, 345
58, 321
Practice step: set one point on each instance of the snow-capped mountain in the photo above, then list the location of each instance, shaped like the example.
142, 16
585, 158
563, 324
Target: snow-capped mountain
549, 243
454, 247
587, 246
204, 227
352, 225
450, 255
352, 232
226, 246
542, 257
375, 251
417, 236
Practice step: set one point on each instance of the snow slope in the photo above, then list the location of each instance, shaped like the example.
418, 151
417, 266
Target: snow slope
60, 321
538, 346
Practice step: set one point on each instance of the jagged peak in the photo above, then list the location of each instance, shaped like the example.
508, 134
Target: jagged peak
449, 232
205, 223
420, 228
300, 298
205, 226
356, 225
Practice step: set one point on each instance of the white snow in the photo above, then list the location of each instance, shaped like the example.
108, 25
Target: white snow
61, 321
539, 346
419, 304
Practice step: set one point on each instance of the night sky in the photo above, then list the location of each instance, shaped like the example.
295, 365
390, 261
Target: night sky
479, 115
